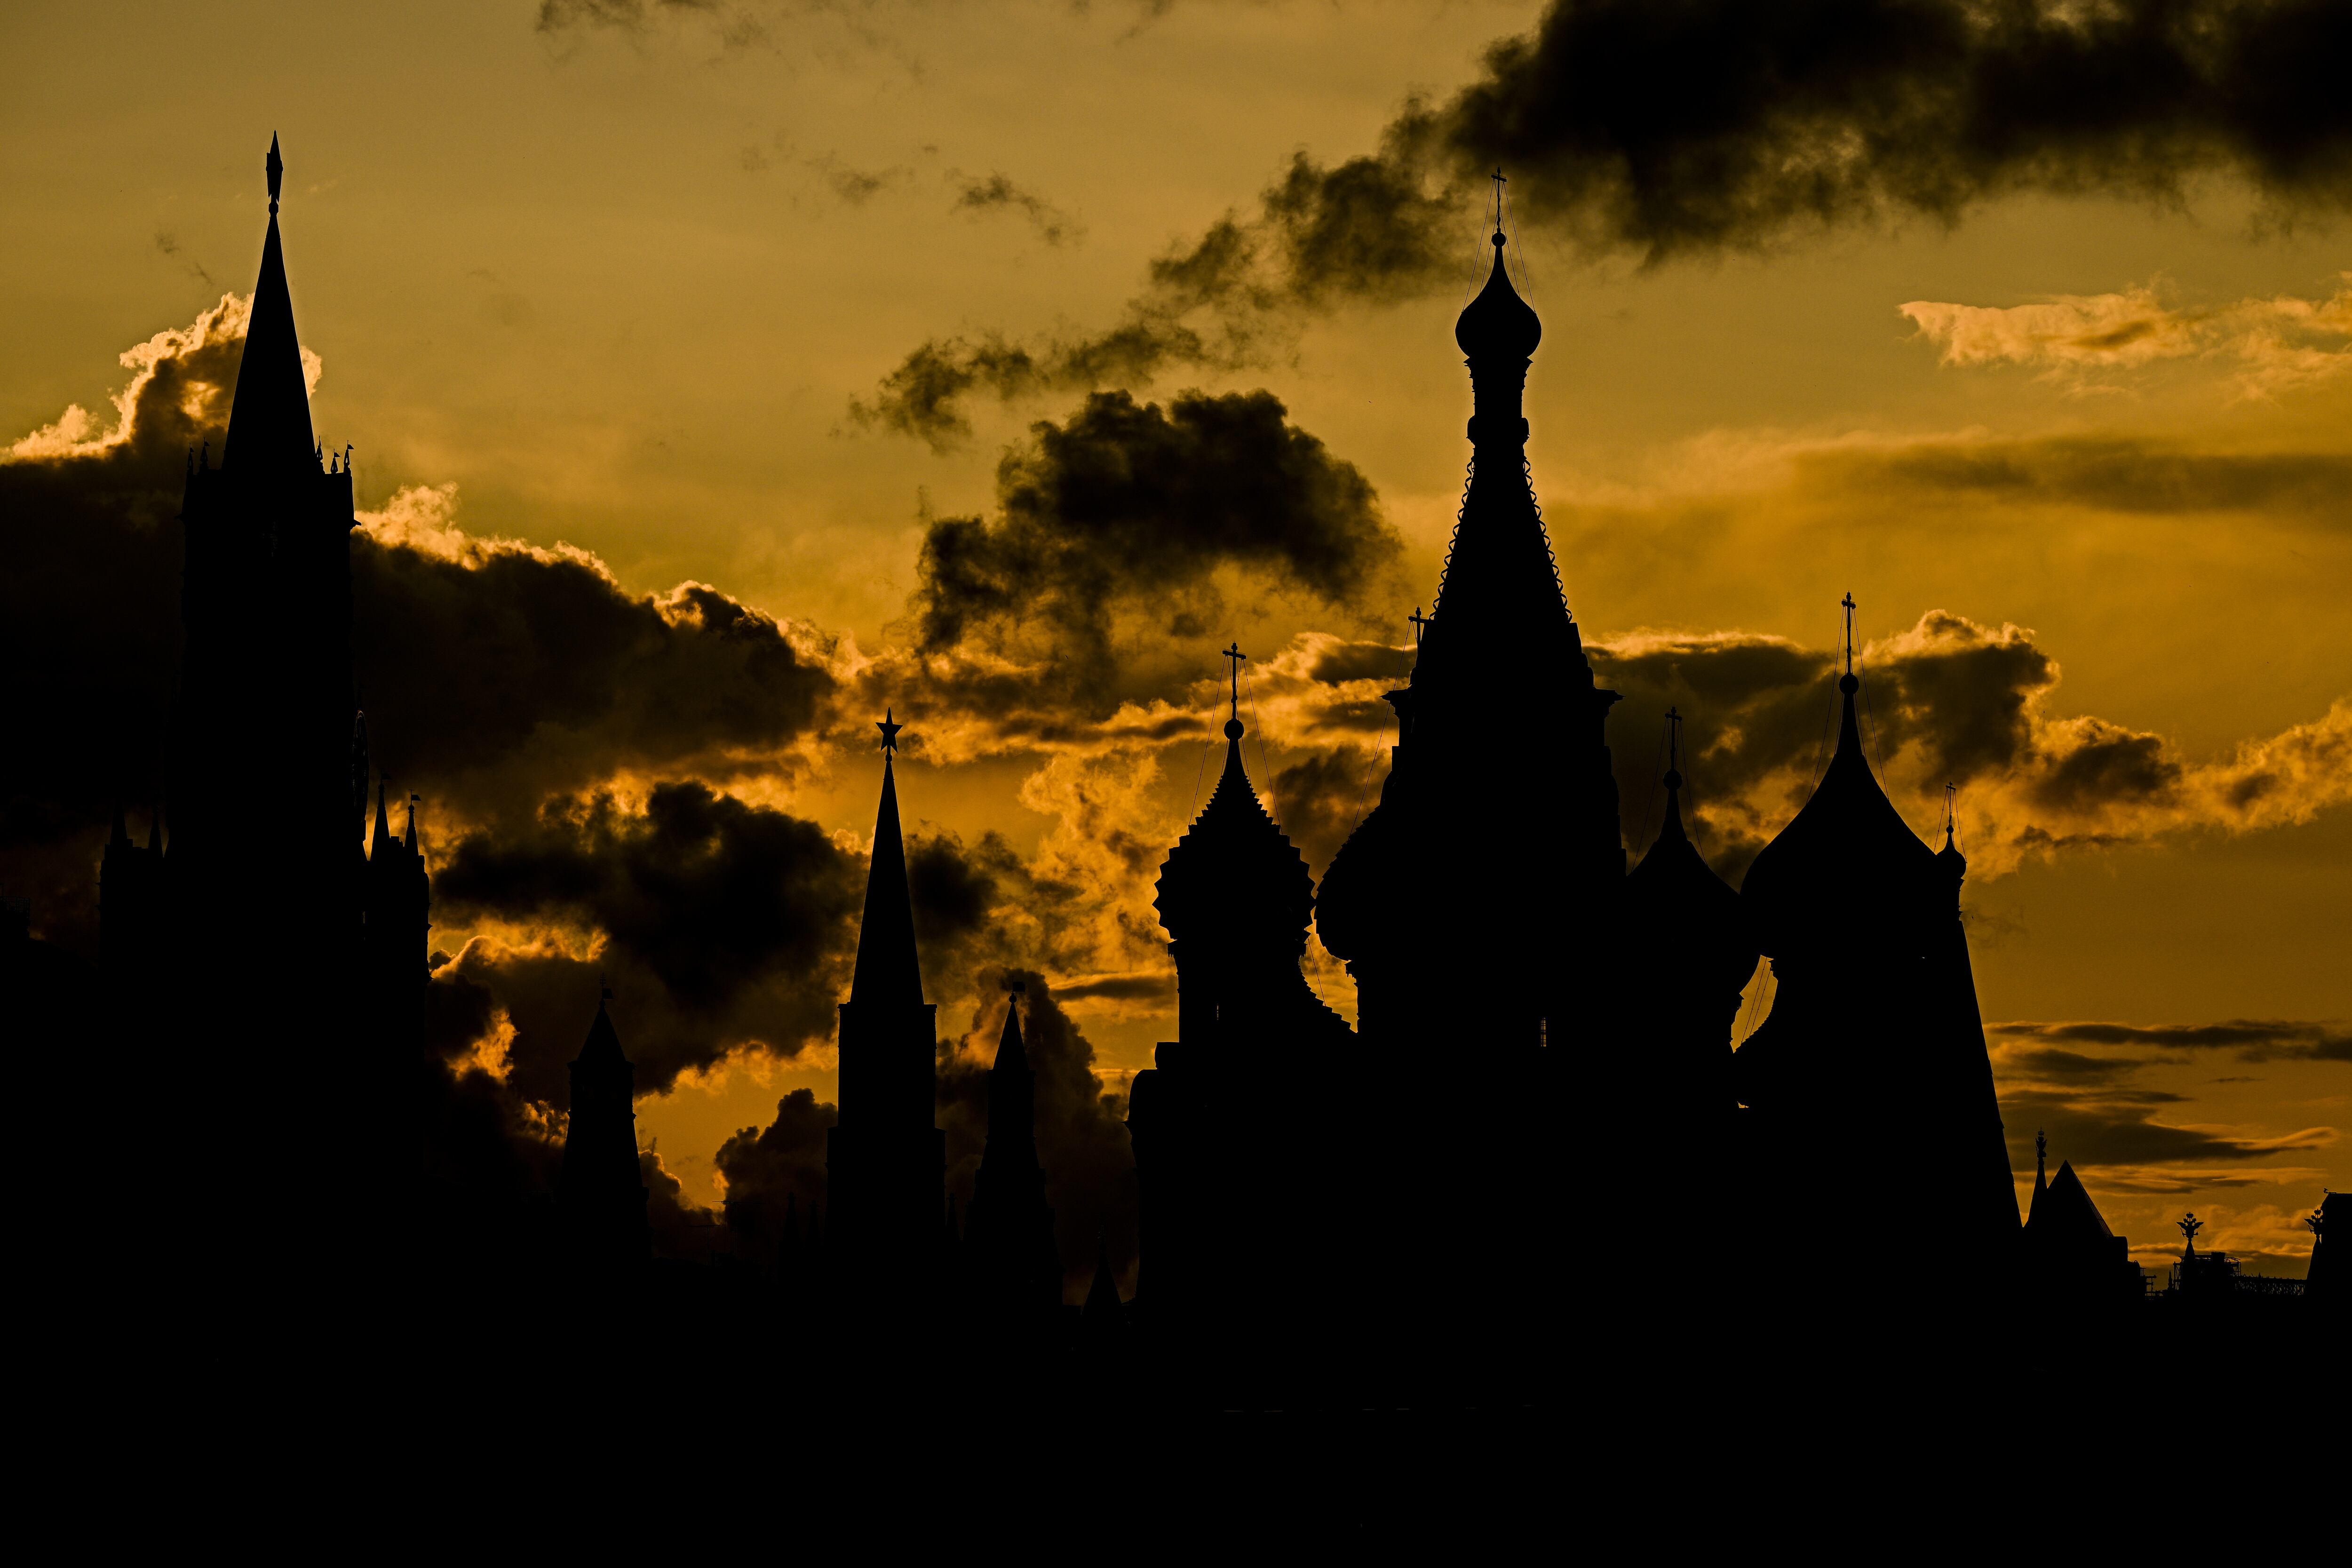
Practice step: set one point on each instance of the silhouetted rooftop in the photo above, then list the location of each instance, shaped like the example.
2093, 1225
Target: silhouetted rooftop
1847, 865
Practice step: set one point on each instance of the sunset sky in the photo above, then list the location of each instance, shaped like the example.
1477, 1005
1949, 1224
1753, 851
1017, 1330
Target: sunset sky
611, 298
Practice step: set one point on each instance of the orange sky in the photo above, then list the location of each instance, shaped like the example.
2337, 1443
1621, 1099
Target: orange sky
619, 285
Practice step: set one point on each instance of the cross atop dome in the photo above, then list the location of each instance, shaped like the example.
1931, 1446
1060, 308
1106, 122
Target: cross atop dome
1234, 723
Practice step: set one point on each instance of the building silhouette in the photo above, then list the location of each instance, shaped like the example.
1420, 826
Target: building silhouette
268, 842
886, 1158
1326, 1213
601, 1194
1012, 1270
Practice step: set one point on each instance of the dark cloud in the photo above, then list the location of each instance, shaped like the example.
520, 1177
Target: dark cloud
1339, 661
1320, 799
2111, 474
2252, 1039
2072, 1066
1689, 128
2105, 1130
723, 924
90, 616
2108, 762
777, 1172
1081, 1126
997, 193
1133, 509
1685, 130
494, 677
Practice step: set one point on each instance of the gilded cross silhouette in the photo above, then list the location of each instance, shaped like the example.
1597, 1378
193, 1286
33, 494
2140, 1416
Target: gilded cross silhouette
1673, 740
1235, 654
1848, 602
1499, 183
1420, 625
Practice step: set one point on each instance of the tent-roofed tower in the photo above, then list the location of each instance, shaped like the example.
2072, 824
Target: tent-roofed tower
885, 1159
601, 1194
1014, 1268
1873, 1047
1474, 905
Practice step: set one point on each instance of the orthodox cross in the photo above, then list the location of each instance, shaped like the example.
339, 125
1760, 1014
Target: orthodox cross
1235, 654
1848, 602
889, 733
1951, 813
1420, 625
1674, 742
1499, 183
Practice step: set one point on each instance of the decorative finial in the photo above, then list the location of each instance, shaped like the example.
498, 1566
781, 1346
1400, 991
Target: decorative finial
2189, 1224
1233, 724
889, 733
276, 167
1499, 183
1673, 749
1951, 811
1847, 682
1420, 625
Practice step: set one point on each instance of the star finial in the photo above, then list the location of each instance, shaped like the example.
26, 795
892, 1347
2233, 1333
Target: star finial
889, 733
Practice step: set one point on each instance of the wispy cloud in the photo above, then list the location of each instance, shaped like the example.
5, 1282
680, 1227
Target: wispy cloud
2088, 342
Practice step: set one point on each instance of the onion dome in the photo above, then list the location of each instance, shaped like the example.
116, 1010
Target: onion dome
1690, 917
1498, 324
1234, 879
1849, 863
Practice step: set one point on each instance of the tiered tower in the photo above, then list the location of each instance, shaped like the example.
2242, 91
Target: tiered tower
885, 1159
1243, 1131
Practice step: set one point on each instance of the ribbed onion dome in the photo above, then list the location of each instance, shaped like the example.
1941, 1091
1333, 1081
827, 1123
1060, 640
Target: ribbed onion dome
1233, 878
1498, 324
1849, 866
1687, 916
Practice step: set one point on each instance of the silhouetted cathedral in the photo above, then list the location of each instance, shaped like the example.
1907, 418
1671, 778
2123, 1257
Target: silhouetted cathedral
1327, 1213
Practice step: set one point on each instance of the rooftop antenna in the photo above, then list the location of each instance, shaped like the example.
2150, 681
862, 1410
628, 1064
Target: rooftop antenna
890, 733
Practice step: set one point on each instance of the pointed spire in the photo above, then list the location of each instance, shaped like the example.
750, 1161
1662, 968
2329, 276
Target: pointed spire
1672, 826
604, 1042
1012, 1056
121, 838
887, 972
269, 415
409, 842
